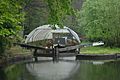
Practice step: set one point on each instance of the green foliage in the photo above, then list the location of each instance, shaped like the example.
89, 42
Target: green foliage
99, 50
11, 17
100, 20
13, 72
58, 10
2, 45
36, 15
40, 12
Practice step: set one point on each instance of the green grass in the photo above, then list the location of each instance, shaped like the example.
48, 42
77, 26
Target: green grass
17, 50
99, 50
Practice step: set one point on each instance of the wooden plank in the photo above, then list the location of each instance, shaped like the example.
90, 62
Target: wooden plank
60, 55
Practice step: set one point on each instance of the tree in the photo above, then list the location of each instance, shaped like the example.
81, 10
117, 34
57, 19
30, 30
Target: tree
36, 15
58, 10
12, 16
100, 21
11, 19
40, 12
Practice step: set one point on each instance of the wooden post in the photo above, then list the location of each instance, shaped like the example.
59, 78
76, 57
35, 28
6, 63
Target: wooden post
116, 56
55, 54
34, 54
78, 52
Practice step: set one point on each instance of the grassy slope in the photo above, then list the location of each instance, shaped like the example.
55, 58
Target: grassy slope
16, 50
99, 50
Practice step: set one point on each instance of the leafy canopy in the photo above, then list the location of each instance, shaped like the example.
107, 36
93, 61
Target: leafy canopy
100, 20
58, 9
10, 17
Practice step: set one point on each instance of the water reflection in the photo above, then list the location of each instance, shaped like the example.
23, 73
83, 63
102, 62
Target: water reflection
10, 73
53, 71
66, 69
106, 71
2, 74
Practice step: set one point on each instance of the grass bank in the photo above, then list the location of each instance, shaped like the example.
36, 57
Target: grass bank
99, 50
17, 50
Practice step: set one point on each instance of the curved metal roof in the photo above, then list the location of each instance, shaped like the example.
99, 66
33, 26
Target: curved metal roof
45, 32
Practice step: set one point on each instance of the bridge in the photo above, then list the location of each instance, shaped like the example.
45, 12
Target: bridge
55, 52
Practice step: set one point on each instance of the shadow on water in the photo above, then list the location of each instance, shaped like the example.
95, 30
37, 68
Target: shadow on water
65, 69
2, 75
98, 71
15, 72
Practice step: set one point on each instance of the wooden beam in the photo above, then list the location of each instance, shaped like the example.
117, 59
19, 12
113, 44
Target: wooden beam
44, 55
67, 54
69, 48
31, 46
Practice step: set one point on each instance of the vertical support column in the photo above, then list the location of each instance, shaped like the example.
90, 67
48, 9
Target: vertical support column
116, 56
35, 56
78, 52
55, 54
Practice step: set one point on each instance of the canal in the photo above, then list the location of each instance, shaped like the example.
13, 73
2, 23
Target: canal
65, 69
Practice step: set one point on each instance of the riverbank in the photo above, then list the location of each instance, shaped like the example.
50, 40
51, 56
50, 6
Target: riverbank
17, 50
99, 50
15, 54
98, 53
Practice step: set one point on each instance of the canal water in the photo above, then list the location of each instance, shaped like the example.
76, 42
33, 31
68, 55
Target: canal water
65, 69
